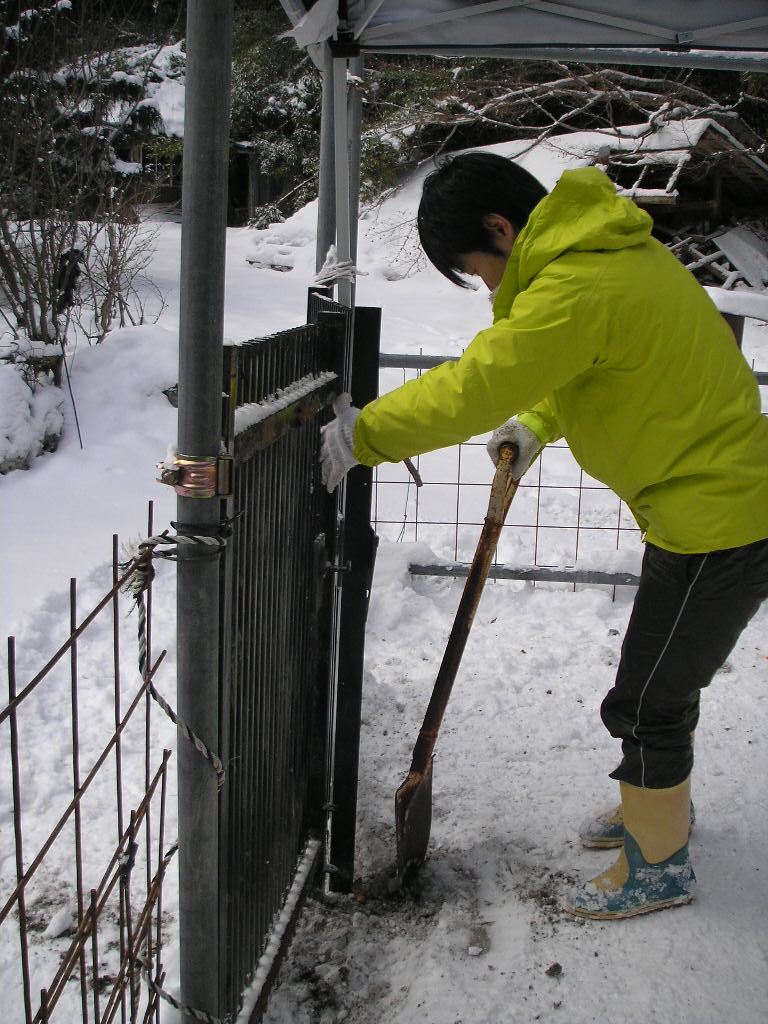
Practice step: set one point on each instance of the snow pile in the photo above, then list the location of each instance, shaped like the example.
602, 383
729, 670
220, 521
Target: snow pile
31, 418
741, 302
521, 759
126, 423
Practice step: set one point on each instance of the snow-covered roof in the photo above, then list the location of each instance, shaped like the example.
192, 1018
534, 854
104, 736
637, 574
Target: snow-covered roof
707, 33
673, 145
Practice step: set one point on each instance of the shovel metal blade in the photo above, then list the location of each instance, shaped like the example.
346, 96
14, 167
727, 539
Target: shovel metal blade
413, 821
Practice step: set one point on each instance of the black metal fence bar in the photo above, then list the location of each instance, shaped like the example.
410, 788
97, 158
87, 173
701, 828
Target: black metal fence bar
353, 584
352, 574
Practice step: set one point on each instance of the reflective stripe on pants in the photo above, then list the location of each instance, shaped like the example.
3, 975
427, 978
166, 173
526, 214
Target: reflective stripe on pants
688, 613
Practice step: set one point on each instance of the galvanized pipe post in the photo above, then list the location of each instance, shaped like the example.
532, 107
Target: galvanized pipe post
326, 199
341, 172
355, 130
203, 249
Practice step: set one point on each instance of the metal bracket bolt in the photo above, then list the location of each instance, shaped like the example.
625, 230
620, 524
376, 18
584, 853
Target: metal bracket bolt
199, 476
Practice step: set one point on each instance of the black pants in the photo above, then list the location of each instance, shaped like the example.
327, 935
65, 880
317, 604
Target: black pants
688, 613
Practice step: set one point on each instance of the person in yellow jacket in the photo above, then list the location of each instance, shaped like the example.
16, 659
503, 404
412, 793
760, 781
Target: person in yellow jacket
602, 337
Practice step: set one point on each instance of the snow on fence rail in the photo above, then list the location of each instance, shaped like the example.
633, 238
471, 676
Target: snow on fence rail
83, 825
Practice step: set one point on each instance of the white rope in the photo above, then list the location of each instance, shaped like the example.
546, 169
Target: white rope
334, 270
344, 271
136, 585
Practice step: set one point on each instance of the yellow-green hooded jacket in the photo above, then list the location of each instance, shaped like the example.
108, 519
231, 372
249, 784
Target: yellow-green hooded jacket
601, 336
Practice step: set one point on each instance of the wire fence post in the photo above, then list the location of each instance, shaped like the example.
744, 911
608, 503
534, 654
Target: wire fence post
204, 220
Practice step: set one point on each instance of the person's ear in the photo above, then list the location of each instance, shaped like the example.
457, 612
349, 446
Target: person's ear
501, 230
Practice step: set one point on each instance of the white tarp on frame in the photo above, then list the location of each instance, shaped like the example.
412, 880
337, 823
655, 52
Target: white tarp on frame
691, 33
675, 33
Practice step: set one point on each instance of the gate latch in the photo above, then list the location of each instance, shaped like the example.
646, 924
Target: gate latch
198, 476
337, 567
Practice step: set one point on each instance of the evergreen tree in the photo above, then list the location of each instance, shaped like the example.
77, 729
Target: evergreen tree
276, 92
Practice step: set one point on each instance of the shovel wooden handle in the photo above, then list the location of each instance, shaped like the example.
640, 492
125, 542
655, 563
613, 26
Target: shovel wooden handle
503, 491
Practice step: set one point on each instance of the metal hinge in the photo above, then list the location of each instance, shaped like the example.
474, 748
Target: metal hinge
199, 476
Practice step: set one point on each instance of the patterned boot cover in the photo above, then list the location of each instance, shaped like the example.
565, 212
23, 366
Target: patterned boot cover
633, 886
604, 832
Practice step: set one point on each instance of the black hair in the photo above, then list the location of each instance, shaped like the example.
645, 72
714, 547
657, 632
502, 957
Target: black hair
459, 194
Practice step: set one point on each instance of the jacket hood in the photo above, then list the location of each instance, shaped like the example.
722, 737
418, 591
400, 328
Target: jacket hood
581, 214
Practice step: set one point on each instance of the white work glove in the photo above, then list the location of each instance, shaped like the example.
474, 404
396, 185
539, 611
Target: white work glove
338, 440
527, 444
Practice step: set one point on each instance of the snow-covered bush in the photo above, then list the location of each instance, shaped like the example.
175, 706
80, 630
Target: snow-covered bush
31, 418
76, 103
276, 105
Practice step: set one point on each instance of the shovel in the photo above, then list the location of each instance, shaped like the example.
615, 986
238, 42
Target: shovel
413, 800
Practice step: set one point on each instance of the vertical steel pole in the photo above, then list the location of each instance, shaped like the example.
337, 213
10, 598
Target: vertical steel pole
203, 249
326, 198
354, 132
341, 172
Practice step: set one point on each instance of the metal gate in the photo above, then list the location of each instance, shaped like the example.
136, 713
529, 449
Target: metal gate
293, 582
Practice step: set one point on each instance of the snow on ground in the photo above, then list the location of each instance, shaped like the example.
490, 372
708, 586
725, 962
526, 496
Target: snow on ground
522, 755
522, 758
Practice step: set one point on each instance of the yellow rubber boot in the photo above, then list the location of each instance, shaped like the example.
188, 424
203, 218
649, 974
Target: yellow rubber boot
653, 870
606, 830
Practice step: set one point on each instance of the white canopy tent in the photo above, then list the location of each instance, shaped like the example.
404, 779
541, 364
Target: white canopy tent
692, 33
671, 33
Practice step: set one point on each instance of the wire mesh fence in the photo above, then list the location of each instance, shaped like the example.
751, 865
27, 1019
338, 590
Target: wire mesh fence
83, 841
560, 516
559, 513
